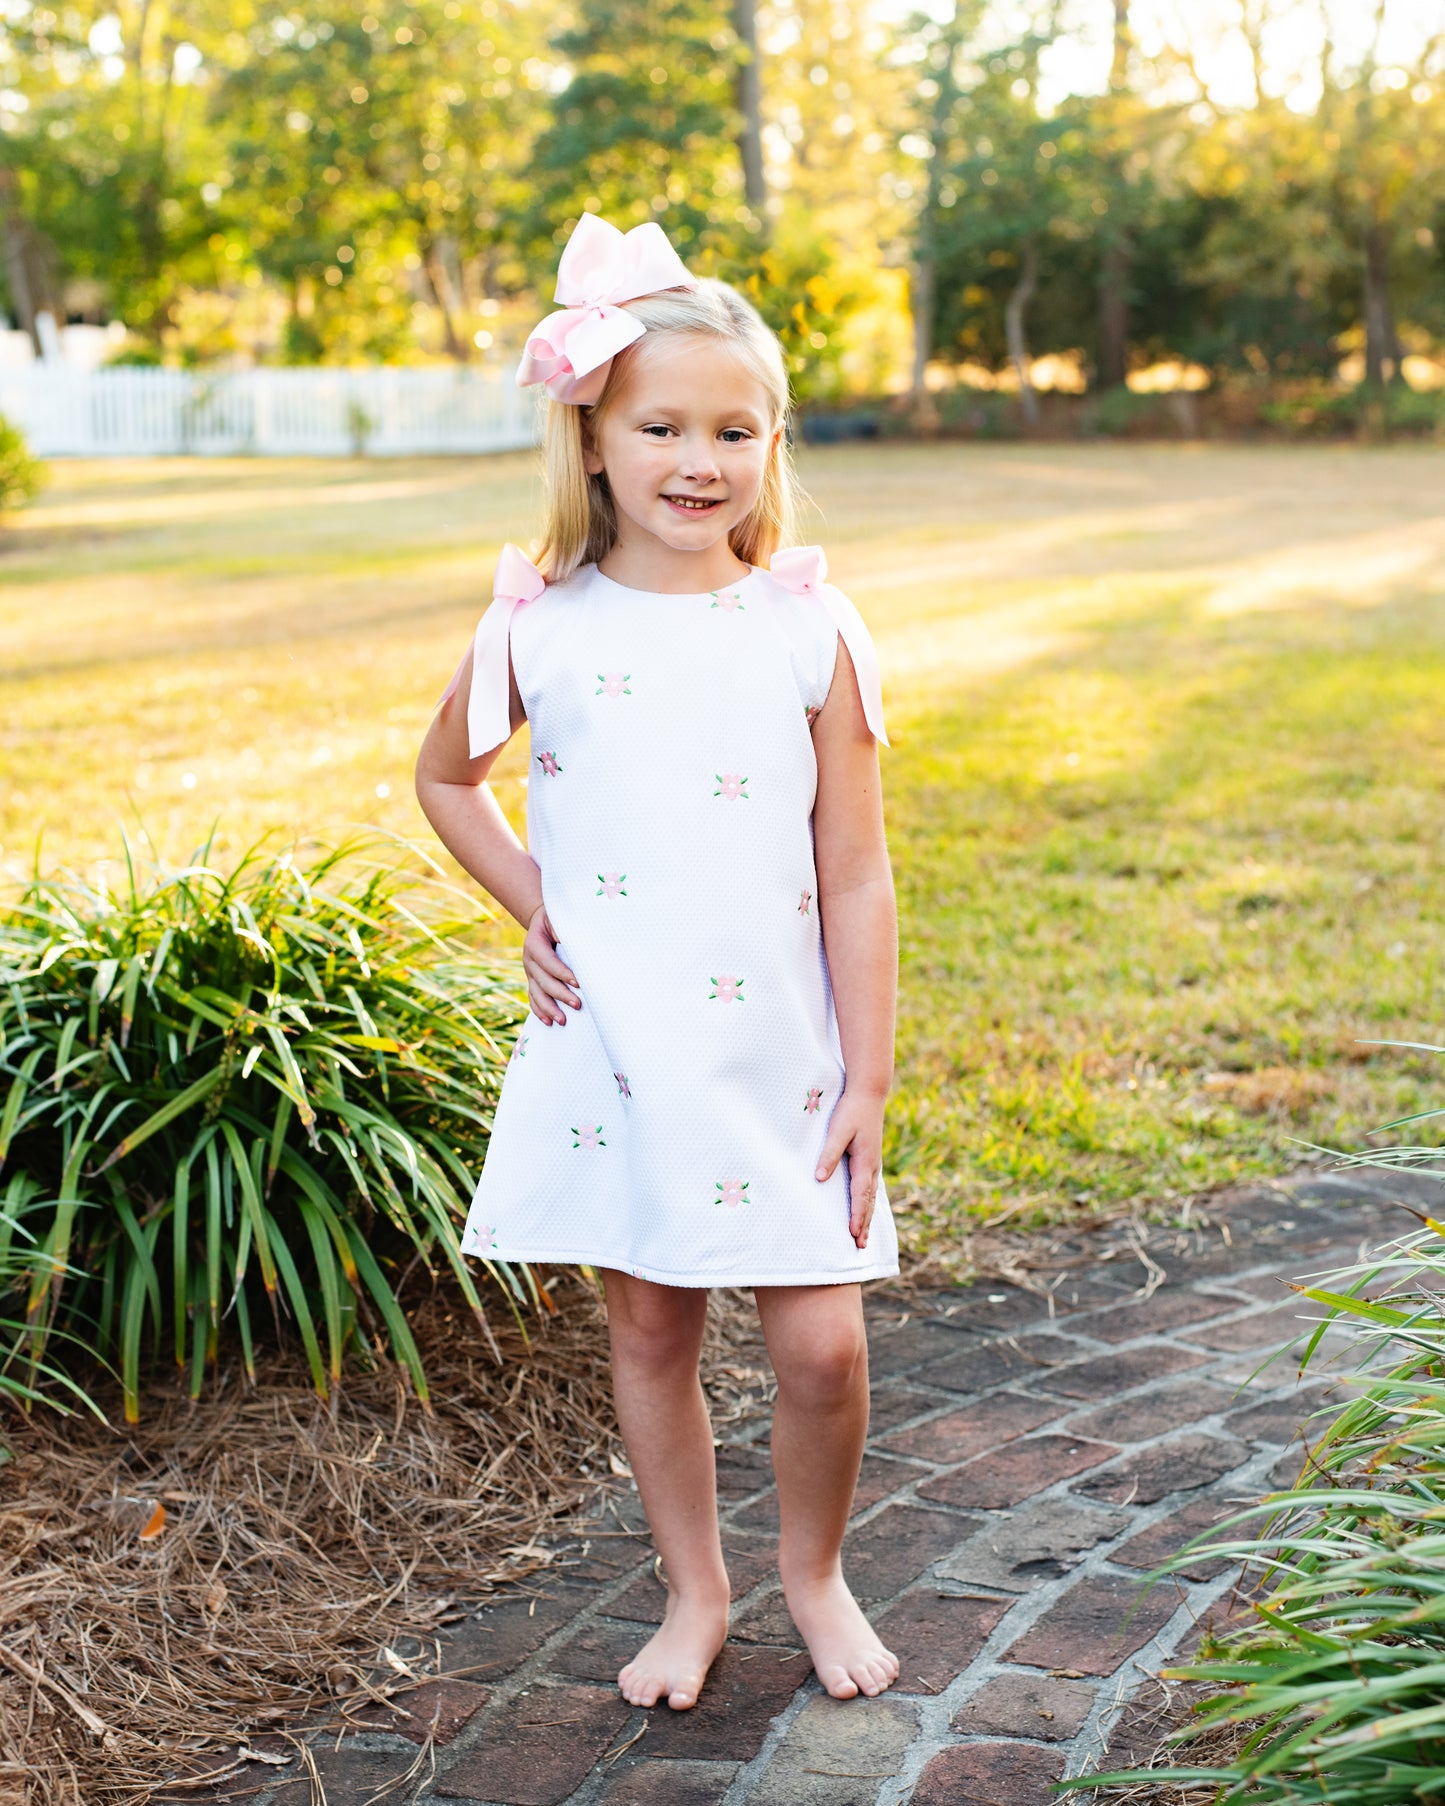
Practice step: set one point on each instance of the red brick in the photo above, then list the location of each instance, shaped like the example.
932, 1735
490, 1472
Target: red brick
742, 1469
989, 1774
599, 1652
1096, 1625
1027, 1705
877, 1477
502, 1636
1155, 1413
1267, 1329
1166, 1538
1169, 1308
895, 1348
1019, 1359
936, 1636
974, 1428
649, 1783
888, 1551
540, 1749
744, 1692
1282, 1421
1111, 1374
437, 1710
749, 1560
892, 1404
1179, 1465
768, 1621
1016, 1472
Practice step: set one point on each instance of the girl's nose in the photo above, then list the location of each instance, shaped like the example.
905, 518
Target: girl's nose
698, 462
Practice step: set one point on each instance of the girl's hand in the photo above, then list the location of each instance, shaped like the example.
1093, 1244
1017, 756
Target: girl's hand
856, 1128
550, 984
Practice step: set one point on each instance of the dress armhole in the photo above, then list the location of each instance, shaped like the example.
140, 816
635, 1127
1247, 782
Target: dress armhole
853, 631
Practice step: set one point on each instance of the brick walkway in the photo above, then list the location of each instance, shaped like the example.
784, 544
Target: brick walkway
1028, 1457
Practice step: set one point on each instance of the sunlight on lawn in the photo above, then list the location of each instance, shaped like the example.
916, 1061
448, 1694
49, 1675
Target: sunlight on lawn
1165, 792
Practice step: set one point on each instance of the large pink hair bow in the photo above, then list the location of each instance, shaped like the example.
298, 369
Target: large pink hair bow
489, 720
804, 569
571, 352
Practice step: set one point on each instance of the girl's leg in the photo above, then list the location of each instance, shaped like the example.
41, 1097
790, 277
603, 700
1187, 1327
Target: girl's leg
656, 1333
820, 1355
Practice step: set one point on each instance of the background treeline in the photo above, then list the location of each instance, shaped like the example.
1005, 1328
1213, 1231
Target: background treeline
1259, 190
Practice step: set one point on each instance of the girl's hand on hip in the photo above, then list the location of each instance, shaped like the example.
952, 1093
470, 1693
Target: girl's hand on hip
856, 1129
550, 983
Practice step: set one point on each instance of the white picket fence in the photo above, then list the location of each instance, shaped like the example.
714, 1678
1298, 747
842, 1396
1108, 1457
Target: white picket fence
380, 412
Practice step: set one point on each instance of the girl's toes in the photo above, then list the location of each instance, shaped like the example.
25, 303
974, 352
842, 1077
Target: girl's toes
839, 1683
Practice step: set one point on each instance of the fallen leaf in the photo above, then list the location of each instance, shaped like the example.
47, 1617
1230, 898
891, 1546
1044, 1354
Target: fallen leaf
246, 1754
155, 1526
216, 1597
619, 1467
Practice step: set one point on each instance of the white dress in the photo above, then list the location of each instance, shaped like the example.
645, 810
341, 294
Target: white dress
672, 1126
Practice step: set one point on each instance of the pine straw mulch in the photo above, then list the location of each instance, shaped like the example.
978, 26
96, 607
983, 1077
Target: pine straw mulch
223, 1567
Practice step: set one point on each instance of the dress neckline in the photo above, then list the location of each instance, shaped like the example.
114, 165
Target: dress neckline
666, 595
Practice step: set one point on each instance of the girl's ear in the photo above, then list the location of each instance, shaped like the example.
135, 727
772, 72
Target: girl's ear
591, 458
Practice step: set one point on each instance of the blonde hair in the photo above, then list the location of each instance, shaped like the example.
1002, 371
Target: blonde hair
581, 524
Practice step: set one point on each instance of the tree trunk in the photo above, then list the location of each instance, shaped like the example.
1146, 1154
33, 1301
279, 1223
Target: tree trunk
27, 268
1381, 344
1119, 62
1117, 268
1013, 316
923, 410
441, 287
750, 105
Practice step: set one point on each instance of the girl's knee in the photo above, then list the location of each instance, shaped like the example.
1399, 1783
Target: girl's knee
827, 1368
659, 1325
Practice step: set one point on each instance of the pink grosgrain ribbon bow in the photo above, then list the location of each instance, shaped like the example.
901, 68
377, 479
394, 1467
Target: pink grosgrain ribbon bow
803, 569
600, 267
489, 720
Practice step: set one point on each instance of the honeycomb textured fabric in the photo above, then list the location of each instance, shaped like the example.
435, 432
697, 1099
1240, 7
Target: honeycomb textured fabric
672, 1126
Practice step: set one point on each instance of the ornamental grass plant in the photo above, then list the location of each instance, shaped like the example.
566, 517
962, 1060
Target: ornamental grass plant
241, 1104
1331, 1687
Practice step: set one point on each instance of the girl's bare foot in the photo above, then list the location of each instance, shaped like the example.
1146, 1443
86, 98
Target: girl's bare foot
673, 1665
848, 1657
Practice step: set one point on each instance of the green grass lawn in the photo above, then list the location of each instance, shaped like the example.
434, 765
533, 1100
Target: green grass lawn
1165, 792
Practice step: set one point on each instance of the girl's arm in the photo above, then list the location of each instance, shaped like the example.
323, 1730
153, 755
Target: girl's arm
860, 934
456, 799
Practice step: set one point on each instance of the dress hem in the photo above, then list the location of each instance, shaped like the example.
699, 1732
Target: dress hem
659, 1277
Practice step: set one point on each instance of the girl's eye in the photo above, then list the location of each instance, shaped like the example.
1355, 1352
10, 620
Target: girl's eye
732, 435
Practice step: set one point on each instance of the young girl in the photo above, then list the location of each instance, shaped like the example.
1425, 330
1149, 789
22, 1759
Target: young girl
710, 952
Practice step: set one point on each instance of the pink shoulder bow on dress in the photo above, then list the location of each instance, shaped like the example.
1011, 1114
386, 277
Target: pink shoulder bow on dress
489, 716
803, 569
570, 352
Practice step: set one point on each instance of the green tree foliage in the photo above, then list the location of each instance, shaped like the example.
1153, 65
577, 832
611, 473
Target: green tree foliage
363, 144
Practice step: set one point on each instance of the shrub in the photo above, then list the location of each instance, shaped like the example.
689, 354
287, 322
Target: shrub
22, 477
1322, 411
233, 1097
1338, 1682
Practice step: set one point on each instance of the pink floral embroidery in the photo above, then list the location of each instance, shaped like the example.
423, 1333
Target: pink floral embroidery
731, 1192
609, 884
622, 1084
726, 603
486, 1234
520, 1049
815, 1097
727, 989
805, 902
589, 1138
731, 786
613, 683
548, 762
811, 714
